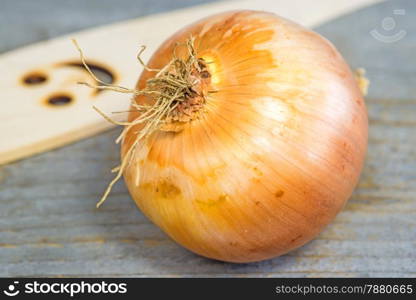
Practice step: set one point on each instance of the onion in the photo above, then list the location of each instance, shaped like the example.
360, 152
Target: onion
261, 141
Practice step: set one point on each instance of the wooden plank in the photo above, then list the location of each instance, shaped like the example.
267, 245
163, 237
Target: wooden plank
55, 125
49, 225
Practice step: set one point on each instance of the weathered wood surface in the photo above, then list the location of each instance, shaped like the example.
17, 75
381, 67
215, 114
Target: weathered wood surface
49, 225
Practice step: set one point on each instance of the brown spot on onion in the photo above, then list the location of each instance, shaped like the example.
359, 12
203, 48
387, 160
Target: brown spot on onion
167, 189
213, 202
279, 194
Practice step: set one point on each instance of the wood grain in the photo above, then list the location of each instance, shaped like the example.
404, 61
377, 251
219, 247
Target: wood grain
49, 225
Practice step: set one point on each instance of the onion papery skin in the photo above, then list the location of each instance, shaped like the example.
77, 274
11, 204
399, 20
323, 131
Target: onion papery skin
276, 152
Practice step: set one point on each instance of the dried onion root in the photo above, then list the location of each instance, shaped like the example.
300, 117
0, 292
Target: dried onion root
171, 85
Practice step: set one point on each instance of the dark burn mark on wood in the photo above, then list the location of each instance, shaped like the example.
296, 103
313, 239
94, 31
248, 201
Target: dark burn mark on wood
101, 72
59, 99
34, 78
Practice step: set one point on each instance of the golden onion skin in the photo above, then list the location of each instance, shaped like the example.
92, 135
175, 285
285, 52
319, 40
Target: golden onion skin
276, 152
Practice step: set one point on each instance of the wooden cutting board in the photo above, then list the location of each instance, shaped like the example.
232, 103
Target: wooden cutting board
43, 107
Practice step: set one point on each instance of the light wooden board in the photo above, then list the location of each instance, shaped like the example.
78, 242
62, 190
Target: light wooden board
49, 225
29, 125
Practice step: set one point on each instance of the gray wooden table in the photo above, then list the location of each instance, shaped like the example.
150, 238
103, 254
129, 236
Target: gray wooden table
49, 225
